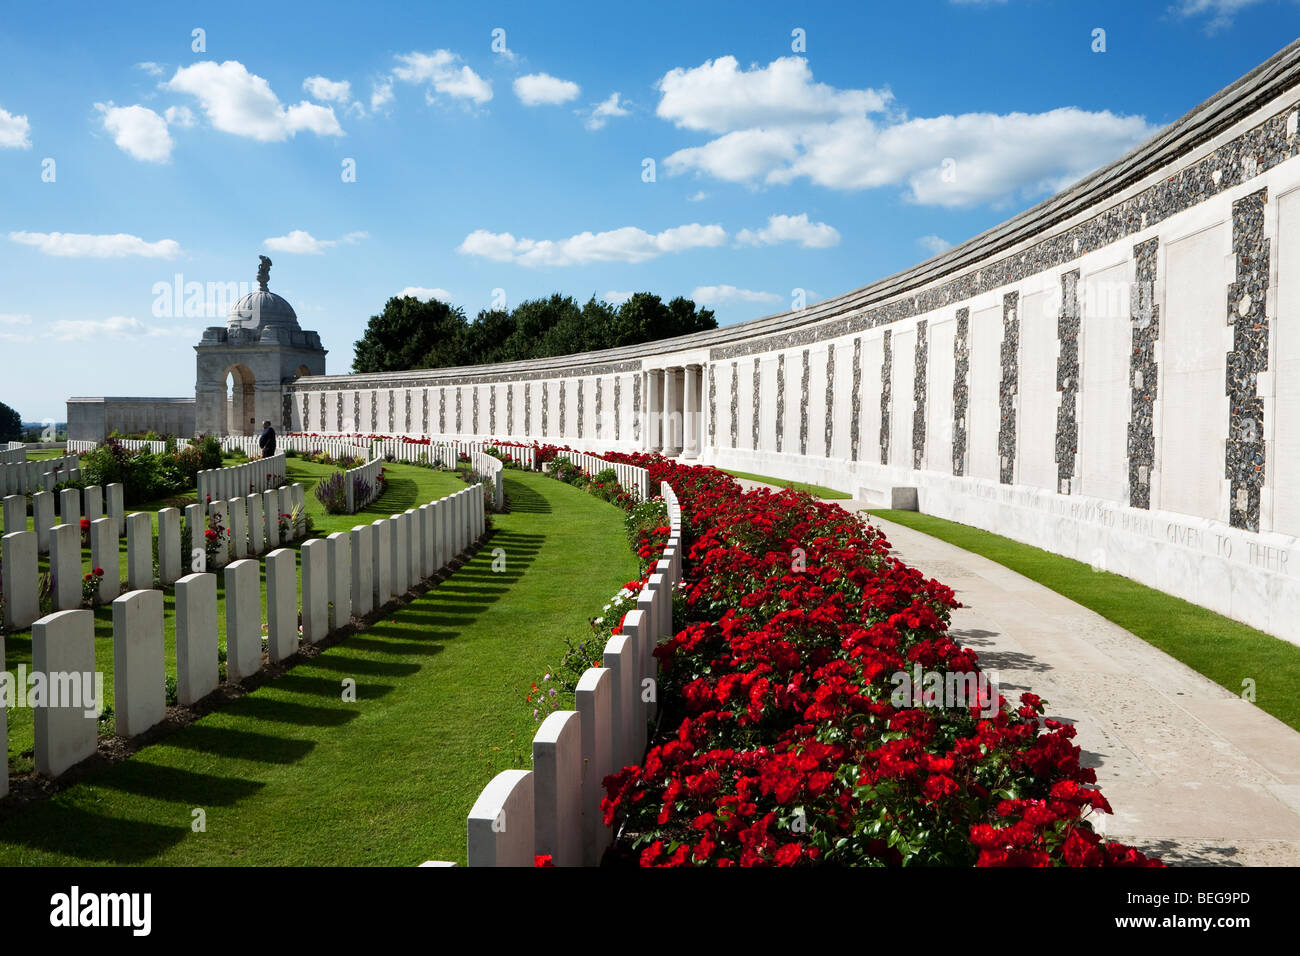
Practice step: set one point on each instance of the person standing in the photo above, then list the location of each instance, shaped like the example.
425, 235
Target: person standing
267, 441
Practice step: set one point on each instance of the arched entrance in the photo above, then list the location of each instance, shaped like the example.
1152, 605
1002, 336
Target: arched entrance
240, 411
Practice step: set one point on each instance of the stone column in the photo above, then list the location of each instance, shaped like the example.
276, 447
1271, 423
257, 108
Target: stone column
691, 412
654, 410
672, 413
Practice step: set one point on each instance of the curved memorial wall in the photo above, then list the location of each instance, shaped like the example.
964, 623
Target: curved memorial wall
1113, 375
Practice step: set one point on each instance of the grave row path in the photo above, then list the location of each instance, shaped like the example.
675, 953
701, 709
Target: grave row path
1194, 773
293, 774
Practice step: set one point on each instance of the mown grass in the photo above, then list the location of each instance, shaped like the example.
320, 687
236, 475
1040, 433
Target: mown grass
408, 486
293, 775
817, 491
1226, 651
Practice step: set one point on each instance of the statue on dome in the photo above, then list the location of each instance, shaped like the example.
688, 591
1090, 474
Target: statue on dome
263, 273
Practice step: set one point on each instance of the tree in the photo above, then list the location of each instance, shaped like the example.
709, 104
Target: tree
11, 424
411, 333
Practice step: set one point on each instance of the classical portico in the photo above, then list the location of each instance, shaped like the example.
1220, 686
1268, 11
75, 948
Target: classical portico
673, 410
260, 350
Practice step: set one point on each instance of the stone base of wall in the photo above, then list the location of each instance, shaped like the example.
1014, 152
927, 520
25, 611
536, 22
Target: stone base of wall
1251, 577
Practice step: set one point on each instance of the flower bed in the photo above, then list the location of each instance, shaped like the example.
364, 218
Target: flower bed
792, 732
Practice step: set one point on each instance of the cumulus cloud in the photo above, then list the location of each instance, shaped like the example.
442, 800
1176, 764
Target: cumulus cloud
301, 242
811, 235
381, 94
422, 293
542, 89
15, 131
724, 294
697, 196
179, 116
628, 244
605, 111
443, 71
1220, 12
236, 101
775, 125
116, 326
934, 244
138, 131
617, 298
330, 91
86, 246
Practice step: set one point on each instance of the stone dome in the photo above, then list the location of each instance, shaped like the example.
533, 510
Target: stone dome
262, 309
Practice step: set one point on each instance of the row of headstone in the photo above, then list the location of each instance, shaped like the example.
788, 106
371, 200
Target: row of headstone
334, 447
554, 809
368, 473
13, 456
28, 477
253, 524
491, 471
344, 575
247, 444
631, 478
236, 481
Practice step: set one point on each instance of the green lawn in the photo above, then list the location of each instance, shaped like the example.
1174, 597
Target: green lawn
292, 775
408, 486
1226, 651
817, 491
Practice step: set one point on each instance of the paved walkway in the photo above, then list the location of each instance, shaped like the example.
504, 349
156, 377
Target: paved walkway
1194, 773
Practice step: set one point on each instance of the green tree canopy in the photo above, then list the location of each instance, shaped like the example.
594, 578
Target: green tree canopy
411, 333
11, 424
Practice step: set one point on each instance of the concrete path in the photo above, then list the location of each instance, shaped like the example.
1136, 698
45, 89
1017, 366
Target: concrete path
1194, 773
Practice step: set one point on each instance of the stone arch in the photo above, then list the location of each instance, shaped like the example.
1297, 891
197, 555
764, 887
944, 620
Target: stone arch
239, 383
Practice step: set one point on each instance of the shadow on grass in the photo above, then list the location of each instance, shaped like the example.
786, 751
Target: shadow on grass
523, 498
54, 827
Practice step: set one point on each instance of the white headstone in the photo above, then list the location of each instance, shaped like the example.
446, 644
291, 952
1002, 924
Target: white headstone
139, 671
256, 525
15, 513
501, 824
139, 551
117, 506
271, 515
65, 566
594, 701
315, 590
171, 563
237, 509
340, 574
363, 562
219, 522
70, 506
625, 703
397, 553
557, 787
197, 671
381, 565
104, 555
282, 603
93, 502
243, 619
43, 519
21, 584
64, 643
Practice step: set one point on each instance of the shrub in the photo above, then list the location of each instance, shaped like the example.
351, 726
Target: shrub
332, 492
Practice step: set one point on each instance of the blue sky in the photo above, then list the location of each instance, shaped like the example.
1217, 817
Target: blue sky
504, 147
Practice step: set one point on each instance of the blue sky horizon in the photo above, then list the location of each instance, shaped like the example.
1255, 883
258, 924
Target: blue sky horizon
733, 153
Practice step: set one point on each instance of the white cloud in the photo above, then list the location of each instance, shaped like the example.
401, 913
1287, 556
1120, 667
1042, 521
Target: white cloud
300, 242
605, 110
934, 244
542, 89
1220, 12
810, 235
150, 67
138, 131
697, 196
617, 298
381, 94
777, 126
116, 326
11, 319
330, 91
15, 131
179, 116
420, 292
85, 246
718, 96
628, 244
243, 103
724, 294
439, 69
